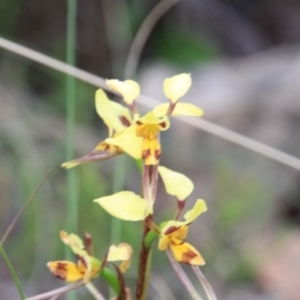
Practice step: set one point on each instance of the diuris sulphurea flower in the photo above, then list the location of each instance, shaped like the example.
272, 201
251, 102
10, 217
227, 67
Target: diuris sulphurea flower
173, 234
146, 144
87, 266
130, 133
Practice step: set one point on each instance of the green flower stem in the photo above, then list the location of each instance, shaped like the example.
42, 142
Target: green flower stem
12, 272
110, 277
139, 165
150, 238
72, 201
144, 268
72, 205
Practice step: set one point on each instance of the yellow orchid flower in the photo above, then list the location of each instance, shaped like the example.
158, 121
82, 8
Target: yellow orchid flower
87, 266
173, 234
138, 138
141, 140
126, 206
148, 127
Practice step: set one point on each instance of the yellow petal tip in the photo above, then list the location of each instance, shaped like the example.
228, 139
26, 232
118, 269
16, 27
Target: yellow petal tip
129, 89
177, 86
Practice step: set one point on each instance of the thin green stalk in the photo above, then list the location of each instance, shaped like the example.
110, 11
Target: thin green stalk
19, 214
110, 277
12, 272
72, 201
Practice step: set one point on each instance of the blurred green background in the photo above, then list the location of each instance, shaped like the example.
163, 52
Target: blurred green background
250, 235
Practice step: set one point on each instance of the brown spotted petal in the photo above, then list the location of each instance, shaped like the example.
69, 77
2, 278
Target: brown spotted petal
115, 116
185, 253
102, 152
65, 270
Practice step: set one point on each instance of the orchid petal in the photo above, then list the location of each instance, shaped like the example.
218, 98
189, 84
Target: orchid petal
114, 115
153, 119
176, 184
125, 205
128, 141
74, 242
197, 210
185, 253
163, 243
171, 226
129, 89
122, 252
65, 270
177, 86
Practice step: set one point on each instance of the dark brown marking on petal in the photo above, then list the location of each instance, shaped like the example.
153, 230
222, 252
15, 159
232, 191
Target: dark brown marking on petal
146, 153
171, 230
61, 266
88, 243
61, 271
60, 276
163, 124
125, 121
157, 154
105, 147
188, 256
138, 123
82, 260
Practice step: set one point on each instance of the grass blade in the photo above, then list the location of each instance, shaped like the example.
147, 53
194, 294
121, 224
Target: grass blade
12, 272
17, 217
72, 199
